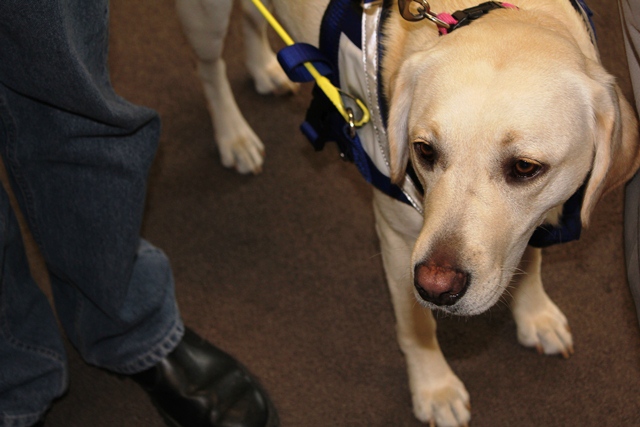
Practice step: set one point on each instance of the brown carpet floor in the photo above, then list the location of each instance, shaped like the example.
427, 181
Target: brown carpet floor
283, 269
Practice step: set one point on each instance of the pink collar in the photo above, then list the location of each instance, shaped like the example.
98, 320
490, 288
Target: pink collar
466, 16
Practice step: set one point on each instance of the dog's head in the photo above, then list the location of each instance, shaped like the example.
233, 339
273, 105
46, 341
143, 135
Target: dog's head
501, 132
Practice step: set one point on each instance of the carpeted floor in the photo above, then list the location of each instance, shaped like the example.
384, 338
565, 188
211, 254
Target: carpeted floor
283, 269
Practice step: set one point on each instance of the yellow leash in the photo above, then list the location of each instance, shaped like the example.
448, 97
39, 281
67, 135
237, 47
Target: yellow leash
333, 93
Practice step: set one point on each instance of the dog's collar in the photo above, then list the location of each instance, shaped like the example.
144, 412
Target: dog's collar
465, 17
416, 10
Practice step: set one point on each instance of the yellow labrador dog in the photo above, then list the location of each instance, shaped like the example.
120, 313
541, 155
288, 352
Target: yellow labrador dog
502, 120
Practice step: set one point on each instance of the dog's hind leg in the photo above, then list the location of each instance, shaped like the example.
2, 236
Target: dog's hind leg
260, 59
205, 24
540, 322
439, 397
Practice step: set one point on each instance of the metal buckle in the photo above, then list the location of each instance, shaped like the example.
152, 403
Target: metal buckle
464, 17
352, 123
417, 12
354, 112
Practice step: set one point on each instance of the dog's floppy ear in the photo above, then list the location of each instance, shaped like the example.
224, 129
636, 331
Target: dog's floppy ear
615, 133
402, 86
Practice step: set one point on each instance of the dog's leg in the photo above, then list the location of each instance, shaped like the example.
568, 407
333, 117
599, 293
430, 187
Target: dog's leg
260, 59
540, 322
439, 397
205, 23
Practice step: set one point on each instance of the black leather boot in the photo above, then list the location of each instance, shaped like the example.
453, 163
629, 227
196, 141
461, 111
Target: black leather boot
199, 385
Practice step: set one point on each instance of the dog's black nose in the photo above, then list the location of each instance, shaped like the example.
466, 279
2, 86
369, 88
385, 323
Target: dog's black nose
440, 284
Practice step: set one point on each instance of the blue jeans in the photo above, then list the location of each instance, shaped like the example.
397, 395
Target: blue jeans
78, 157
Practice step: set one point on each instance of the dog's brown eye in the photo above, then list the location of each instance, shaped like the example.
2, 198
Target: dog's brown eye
425, 151
525, 168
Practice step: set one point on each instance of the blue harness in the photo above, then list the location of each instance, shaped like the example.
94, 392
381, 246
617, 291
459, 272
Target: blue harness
323, 123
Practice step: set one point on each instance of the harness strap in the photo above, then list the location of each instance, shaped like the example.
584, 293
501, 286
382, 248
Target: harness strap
322, 123
292, 59
570, 226
330, 90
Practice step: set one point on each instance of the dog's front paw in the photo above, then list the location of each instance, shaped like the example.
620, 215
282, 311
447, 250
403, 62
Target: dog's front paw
544, 328
240, 148
269, 78
446, 404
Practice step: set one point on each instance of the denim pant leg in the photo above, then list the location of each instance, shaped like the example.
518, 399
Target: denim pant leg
630, 14
78, 157
32, 358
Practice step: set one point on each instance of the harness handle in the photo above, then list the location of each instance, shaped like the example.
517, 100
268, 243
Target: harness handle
332, 92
